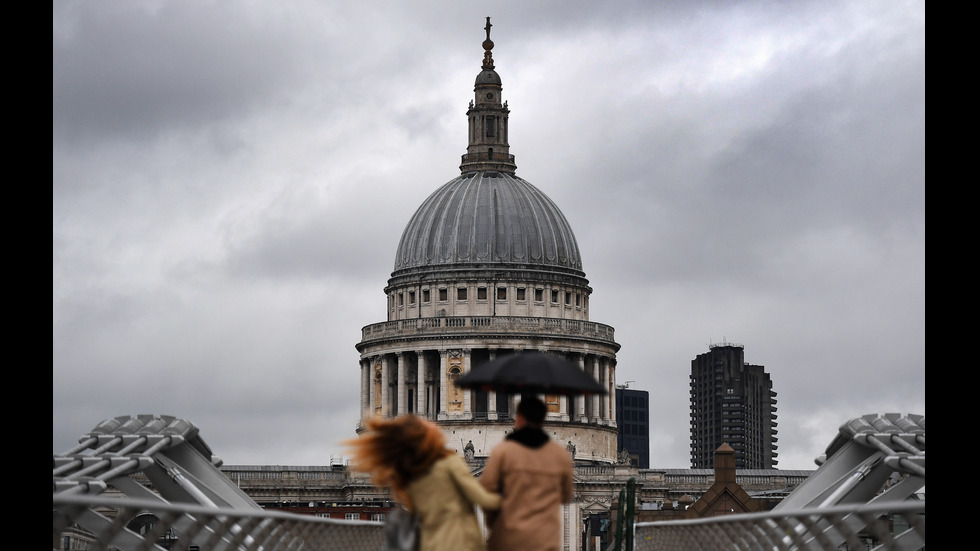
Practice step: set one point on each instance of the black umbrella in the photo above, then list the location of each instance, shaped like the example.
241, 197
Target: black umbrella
531, 373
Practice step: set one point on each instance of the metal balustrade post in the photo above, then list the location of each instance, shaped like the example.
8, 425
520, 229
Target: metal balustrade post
620, 519
630, 512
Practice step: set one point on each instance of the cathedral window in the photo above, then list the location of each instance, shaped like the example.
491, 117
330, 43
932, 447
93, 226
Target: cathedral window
490, 124
501, 293
539, 295
554, 296
521, 293
443, 295
425, 295
461, 293
481, 293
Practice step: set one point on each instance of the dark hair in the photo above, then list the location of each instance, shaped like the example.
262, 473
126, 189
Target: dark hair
533, 409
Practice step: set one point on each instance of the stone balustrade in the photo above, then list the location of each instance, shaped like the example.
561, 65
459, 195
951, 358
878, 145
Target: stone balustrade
487, 326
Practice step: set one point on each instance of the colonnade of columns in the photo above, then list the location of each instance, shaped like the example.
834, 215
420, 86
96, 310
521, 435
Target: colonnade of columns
423, 385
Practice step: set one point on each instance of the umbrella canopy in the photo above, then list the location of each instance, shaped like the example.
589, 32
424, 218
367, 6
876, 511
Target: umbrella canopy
531, 373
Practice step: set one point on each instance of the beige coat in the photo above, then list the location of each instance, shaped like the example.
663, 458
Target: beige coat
444, 499
534, 482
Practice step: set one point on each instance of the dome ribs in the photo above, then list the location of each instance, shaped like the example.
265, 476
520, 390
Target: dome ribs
488, 218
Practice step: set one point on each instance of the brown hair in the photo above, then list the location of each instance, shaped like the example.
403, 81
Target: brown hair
396, 451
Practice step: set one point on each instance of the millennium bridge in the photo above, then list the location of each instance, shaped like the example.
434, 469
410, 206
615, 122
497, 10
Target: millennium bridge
869, 487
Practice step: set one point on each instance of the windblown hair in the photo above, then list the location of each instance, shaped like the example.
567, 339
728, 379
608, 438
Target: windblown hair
396, 451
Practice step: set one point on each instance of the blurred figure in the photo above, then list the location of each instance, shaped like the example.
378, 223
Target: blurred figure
408, 454
534, 476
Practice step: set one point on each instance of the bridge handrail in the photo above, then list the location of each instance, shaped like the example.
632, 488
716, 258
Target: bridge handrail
815, 528
212, 528
227, 529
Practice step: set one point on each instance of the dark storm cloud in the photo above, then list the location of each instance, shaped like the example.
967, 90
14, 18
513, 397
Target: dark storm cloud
327, 244
129, 71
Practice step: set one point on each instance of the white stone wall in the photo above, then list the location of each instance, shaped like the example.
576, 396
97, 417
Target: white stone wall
592, 442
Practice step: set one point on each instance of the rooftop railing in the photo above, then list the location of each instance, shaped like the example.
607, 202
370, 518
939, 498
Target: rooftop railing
484, 325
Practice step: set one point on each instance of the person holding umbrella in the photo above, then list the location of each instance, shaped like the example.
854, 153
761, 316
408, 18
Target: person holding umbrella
533, 474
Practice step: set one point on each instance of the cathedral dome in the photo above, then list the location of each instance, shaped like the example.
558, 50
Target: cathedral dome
492, 220
487, 221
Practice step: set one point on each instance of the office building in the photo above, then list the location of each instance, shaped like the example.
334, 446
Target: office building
633, 420
732, 403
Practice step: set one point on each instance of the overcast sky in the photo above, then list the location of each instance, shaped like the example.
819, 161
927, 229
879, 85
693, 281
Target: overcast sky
230, 182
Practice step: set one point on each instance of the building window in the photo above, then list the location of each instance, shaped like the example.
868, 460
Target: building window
491, 124
401, 299
411, 297
461, 293
568, 298
481, 293
539, 295
520, 293
501, 293
578, 300
352, 516
554, 296
425, 295
443, 295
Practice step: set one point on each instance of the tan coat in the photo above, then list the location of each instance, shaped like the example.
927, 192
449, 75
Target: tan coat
444, 499
534, 483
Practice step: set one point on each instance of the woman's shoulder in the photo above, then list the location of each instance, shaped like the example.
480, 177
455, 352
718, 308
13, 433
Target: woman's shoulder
451, 461
441, 469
